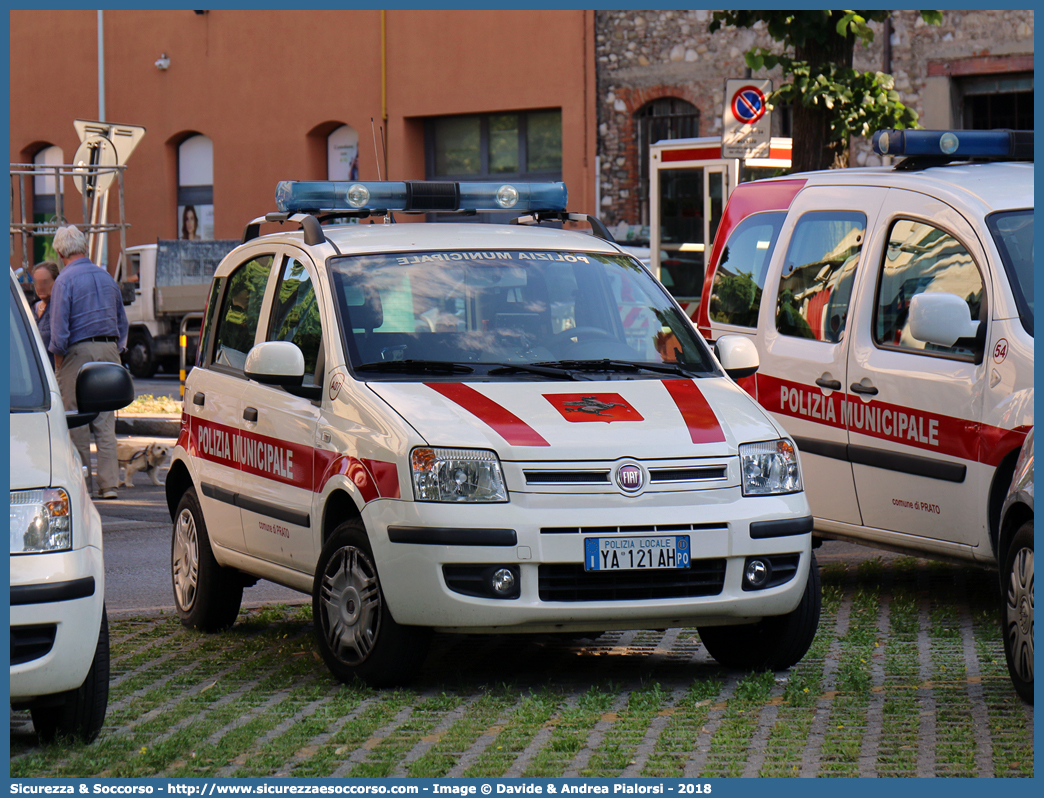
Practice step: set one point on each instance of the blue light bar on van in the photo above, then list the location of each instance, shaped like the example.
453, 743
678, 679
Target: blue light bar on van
955, 144
419, 196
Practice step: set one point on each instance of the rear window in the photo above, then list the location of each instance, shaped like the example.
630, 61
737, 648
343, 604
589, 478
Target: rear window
1013, 233
28, 391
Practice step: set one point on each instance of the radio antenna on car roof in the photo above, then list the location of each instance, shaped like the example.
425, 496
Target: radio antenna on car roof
376, 157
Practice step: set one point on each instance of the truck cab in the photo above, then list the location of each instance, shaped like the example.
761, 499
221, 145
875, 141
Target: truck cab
163, 283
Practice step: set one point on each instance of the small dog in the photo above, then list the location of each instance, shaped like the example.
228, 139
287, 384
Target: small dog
140, 458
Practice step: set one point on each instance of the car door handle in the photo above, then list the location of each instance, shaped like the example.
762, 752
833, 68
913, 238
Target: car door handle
198, 399
250, 414
858, 387
833, 385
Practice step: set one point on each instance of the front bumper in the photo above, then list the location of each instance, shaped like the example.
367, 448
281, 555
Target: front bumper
550, 530
60, 594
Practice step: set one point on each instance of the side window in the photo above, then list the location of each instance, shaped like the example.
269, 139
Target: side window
240, 311
919, 258
295, 314
740, 277
818, 271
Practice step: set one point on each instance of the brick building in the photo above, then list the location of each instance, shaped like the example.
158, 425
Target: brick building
661, 74
234, 101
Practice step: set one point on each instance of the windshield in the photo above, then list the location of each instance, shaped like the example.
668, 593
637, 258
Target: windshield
27, 380
1013, 233
524, 314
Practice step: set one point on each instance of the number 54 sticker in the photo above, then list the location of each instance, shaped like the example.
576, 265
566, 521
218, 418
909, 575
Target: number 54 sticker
1000, 351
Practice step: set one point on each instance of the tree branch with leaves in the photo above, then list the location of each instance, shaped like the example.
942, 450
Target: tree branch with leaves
831, 100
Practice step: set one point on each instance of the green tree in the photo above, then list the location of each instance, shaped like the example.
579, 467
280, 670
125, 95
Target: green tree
831, 101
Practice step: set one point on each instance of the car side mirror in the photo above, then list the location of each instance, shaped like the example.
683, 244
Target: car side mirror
281, 363
941, 319
100, 387
275, 363
737, 355
129, 292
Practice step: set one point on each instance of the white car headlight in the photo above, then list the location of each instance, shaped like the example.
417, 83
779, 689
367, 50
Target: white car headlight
457, 475
769, 467
41, 520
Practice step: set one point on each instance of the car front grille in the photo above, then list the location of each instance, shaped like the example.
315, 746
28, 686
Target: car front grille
635, 529
570, 582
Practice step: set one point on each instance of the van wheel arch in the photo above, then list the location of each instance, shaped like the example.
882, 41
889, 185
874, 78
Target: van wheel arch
998, 490
340, 507
178, 481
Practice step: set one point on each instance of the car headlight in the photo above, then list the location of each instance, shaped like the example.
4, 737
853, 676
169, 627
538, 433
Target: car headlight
769, 467
457, 475
41, 520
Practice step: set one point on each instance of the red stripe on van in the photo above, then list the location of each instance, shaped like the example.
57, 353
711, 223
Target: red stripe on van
505, 423
696, 411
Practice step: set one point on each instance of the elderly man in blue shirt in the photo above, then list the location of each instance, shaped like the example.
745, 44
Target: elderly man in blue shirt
88, 324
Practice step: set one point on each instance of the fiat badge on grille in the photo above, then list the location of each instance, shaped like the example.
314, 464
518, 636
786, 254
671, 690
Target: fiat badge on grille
630, 478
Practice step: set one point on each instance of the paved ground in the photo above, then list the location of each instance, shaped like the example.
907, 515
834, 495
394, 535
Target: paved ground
906, 678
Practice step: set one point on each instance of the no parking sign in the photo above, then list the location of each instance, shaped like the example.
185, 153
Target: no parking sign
746, 120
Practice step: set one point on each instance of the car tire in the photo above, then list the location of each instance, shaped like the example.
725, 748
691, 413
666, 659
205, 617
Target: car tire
79, 713
1017, 610
139, 358
777, 642
206, 595
356, 633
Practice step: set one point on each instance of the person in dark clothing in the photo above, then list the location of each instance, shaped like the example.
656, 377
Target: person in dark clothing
44, 274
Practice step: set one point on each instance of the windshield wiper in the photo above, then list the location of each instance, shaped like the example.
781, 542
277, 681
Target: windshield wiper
416, 366
617, 365
555, 371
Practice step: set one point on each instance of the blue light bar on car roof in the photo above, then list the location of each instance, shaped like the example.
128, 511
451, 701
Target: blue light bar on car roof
955, 144
419, 196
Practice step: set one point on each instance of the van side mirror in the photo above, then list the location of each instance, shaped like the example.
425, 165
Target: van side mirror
941, 319
737, 355
100, 387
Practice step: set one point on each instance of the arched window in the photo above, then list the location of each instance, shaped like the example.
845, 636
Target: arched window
664, 118
342, 154
45, 204
44, 185
196, 188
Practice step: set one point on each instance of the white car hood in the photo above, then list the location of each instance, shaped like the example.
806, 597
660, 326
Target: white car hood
597, 420
30, 451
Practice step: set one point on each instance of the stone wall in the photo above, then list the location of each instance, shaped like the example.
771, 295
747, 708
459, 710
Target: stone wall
643, 55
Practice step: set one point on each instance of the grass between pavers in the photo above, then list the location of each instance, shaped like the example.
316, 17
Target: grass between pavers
839, 755
679, 736
897, 752
257, 699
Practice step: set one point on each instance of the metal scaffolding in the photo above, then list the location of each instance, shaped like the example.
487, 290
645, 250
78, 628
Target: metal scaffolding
87, 179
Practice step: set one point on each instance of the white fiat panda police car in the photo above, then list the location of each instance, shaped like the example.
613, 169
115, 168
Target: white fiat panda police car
477, 428
59, 631
892, 309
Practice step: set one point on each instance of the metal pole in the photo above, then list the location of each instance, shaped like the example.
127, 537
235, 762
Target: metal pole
183, 335
123, 223
101, 66
26, 240
59, 195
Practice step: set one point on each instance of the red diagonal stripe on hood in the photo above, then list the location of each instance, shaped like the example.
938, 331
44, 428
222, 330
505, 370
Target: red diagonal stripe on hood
506, 424
696, 411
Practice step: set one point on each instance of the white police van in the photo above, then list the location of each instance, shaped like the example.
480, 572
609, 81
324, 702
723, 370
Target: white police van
892, 309
477, 428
